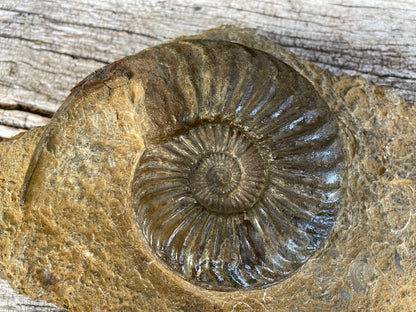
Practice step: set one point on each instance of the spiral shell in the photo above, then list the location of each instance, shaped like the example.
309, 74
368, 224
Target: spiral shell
245, 179
238, 165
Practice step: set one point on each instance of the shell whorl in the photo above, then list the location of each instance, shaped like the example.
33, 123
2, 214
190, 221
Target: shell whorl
243, 171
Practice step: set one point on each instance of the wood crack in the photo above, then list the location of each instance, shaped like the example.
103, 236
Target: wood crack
74, 56
59, 22
26, 107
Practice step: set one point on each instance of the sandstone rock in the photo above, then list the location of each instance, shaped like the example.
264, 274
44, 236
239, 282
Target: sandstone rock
73, 240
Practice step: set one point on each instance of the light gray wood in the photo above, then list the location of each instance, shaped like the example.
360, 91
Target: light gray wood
9, 132
10, 301
21, 119
46, 47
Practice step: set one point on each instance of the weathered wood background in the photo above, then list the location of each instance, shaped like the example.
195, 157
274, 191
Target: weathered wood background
46, 47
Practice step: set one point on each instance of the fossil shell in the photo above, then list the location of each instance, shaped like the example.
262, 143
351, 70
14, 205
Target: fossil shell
237, 164
362, 276
243, 180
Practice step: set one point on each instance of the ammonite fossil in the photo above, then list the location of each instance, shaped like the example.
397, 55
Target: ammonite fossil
241, 172
209, 174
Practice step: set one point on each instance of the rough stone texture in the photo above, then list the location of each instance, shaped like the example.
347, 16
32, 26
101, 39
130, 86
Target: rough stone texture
82, 251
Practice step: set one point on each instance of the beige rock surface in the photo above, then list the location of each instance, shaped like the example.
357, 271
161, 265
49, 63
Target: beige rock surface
75, 243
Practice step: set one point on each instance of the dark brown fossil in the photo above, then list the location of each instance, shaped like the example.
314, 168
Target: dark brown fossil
243, 172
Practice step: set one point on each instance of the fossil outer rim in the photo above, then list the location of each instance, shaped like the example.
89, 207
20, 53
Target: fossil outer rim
225, 83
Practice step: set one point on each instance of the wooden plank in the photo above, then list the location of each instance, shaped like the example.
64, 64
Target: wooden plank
10, 301
46, 47
8, 132
21, 119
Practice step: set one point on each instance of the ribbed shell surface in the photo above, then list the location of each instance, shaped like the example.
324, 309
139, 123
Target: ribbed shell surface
243, 172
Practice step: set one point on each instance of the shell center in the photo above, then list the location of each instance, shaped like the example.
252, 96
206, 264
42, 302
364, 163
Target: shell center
218, 178
222, 173
229, 177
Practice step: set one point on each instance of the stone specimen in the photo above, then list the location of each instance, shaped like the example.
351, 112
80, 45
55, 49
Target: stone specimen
214, 173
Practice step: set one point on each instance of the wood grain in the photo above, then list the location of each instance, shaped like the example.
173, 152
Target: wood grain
46, 47
10, 301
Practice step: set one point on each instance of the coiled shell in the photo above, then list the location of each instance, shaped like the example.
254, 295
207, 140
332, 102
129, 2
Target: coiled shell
243, 180
237, 163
